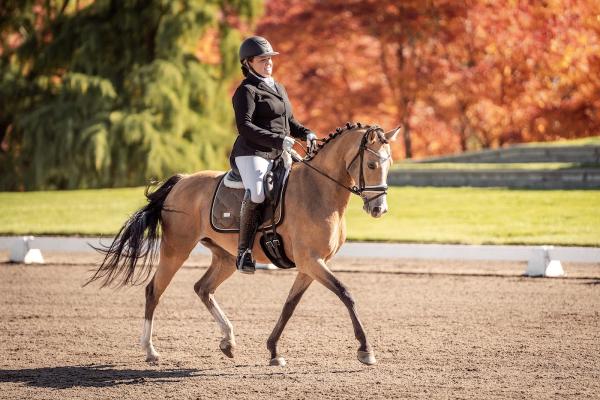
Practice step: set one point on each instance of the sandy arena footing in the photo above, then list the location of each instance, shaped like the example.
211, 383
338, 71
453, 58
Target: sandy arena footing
439, 330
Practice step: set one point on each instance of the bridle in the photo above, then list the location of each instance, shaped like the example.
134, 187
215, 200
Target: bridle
360, 155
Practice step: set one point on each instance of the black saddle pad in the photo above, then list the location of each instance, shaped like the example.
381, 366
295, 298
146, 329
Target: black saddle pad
226, 204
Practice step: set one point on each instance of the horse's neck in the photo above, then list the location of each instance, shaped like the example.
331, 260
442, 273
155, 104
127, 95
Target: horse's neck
330, 161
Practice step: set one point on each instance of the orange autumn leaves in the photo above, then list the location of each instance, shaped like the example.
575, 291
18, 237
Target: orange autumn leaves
457, 75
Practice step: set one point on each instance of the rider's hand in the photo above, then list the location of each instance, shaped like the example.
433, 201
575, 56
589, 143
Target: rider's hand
311, 142
288, 143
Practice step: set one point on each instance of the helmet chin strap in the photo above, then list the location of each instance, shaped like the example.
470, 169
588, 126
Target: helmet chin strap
267, 79
253, 71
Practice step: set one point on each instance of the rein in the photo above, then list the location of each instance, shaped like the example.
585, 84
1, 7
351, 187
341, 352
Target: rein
362, 187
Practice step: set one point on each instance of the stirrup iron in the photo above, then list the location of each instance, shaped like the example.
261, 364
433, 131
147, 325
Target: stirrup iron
244, 263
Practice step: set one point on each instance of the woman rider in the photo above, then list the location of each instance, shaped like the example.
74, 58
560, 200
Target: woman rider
264, 120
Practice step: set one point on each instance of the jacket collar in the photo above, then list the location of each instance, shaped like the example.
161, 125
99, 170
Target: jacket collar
256, 81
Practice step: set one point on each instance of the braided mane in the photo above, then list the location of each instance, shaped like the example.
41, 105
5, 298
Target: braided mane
338, 131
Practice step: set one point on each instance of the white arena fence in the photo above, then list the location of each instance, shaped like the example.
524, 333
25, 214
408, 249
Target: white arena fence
541, 260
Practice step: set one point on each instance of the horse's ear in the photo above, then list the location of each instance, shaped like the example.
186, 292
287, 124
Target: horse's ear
393, 134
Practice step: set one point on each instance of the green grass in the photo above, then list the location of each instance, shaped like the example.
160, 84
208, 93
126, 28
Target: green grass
428, 215
482, 216
72, 212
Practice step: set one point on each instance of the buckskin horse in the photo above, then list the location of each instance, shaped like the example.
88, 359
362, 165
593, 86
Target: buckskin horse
353, 160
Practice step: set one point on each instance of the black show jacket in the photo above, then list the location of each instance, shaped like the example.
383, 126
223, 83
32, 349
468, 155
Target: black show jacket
263, 117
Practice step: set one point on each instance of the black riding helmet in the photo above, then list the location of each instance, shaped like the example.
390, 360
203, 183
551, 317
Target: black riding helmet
255, 46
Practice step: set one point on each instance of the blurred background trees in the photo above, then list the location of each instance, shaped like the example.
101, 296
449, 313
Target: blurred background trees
110, 93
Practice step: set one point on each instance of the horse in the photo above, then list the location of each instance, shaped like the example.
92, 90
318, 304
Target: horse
354, 159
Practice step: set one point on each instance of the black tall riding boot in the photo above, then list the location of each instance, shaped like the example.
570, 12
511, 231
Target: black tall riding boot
249, 219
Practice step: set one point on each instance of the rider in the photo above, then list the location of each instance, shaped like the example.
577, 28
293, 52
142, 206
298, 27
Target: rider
264, 120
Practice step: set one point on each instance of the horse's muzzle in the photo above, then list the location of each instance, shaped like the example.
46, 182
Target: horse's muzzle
378, 211
376, 208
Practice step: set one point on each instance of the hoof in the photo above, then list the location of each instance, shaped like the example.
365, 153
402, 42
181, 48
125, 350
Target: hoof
227, 348
277, 362
152, 358
366, 357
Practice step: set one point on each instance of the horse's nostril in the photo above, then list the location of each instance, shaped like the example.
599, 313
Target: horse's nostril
377, 210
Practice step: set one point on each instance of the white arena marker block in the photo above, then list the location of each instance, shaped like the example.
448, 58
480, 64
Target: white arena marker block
540, 264
18, 251
21, 252
554, 269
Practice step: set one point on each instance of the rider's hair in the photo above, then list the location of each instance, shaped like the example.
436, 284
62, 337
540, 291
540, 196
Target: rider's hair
246, 66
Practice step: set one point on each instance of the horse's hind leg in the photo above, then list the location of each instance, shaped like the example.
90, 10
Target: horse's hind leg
168, 265
222, 267
300, 285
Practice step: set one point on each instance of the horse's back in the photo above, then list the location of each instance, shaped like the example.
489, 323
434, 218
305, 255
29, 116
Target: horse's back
194, 187
192, 194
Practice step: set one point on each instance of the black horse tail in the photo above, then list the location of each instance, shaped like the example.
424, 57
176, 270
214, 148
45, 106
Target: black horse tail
136, 243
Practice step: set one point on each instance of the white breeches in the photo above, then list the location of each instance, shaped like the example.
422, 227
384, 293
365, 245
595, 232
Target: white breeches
252, 170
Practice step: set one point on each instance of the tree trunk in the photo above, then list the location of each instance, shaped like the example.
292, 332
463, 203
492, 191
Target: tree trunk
463, 127
408, 153
407, 142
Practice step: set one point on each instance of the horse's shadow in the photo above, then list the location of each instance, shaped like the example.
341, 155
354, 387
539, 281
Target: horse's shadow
91, 376
108, 375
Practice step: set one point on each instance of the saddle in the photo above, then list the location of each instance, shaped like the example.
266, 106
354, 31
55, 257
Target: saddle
227, 200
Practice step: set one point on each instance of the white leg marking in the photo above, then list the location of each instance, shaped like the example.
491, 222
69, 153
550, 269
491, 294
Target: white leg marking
219, 316
227, 344
146, 341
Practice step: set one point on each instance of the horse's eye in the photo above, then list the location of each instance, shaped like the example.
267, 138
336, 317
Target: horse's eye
372, 165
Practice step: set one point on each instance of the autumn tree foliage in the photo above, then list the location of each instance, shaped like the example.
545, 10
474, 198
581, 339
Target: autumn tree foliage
458, 75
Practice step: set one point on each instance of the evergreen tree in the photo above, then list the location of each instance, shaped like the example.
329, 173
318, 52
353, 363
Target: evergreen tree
111, 93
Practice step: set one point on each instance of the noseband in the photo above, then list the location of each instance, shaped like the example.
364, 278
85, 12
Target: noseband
360, 155
362, 187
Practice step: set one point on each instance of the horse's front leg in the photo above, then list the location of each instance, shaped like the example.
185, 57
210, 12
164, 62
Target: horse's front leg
300, 285
319, 271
